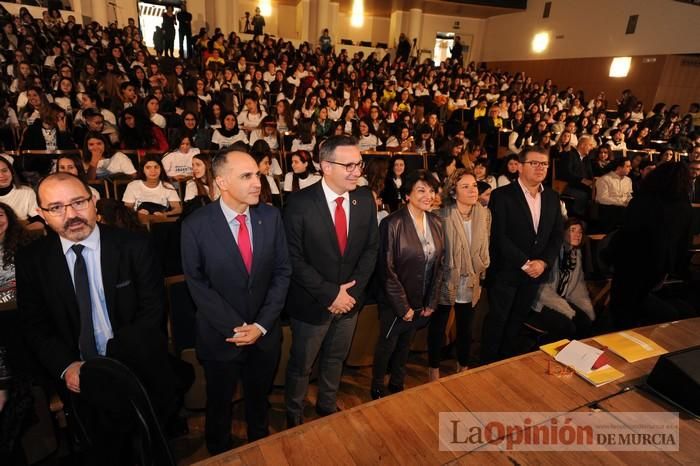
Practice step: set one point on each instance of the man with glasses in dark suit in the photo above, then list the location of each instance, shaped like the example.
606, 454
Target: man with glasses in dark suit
526, 235
333, 241
88, 291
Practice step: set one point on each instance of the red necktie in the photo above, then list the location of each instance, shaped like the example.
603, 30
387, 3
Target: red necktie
244, 243
341, 225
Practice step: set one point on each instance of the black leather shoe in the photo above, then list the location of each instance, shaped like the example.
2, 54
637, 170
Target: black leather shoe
395, 388
293, 421
377, 392
322, 412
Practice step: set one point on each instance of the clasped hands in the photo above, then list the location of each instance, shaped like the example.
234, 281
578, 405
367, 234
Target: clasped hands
343, 303
246, 334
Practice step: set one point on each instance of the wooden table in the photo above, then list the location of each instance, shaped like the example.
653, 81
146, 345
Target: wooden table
402, 429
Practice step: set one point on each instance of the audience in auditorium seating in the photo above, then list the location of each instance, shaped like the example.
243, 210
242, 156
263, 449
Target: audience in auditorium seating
98, 92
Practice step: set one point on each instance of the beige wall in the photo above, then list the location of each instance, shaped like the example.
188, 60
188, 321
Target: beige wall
680, 81
287, 25
375, 29
664, 27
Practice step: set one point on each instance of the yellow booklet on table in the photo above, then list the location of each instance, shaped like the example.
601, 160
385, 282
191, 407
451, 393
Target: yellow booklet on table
630, 345
597, 377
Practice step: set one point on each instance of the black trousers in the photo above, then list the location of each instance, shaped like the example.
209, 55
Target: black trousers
185, 36
509, 307
464, 313
393, 351
255, 368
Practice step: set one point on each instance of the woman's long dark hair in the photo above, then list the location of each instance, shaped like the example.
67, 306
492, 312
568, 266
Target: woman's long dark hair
163, 177
141, 135
14, 236
206, 186
109, 151
305, 156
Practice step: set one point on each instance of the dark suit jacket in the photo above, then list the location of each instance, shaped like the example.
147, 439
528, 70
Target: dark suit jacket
402, 263
572, 169
133, 287
513, 237
318, 268
225, 295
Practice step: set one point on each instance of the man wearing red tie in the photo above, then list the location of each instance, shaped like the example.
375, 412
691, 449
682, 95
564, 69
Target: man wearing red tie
333, 240
235, 259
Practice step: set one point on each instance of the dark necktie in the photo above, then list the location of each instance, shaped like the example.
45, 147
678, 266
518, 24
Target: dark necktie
341, 225
88, 347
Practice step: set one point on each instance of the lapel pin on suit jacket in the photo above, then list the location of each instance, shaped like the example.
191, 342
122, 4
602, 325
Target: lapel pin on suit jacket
354, 202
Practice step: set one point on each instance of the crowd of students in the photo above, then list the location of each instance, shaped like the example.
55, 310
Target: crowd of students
493, 139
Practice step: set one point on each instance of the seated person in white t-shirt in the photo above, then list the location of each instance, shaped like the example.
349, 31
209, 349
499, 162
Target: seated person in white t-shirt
305, 139
367, 140
202, 182
100, 161
151, 193
251, 117
21, 198
303, 173
229, 133
71, 163
178, 162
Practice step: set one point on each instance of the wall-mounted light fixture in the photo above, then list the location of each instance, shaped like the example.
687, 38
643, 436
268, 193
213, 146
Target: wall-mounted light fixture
540, 42
620, 67
265, 7
357, 17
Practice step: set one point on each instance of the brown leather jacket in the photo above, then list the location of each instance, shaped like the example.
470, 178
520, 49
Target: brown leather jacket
402, 263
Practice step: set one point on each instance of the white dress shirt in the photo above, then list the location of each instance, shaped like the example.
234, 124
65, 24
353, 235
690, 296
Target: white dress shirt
534, 203
91, 253
614, 190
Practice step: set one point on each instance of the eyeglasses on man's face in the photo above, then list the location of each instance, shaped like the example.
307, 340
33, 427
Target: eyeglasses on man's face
58, 210
537, 164
350, 167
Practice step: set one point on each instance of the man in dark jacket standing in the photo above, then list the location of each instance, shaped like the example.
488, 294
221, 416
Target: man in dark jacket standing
526, 234
184, 21
333, 241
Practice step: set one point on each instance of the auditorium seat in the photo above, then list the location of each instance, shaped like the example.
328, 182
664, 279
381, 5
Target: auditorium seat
365, 338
